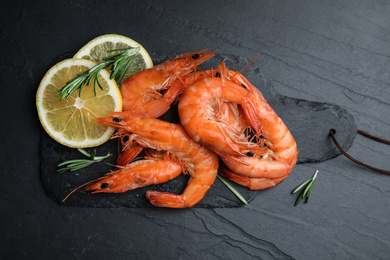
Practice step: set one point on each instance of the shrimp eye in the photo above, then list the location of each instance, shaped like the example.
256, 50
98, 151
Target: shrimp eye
243, 86
116, 119
218, 75
250, 153
195, 56
104, 185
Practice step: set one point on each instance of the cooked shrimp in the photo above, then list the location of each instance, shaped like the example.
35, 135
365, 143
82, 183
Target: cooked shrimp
272, 156
156, 168
199, 108
152, 91
259, 174
263, 170
282, 151
200, 163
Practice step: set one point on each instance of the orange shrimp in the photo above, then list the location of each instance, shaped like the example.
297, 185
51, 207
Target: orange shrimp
282, 154
273, 156
234, 117
199, 162
152, 91
199, 108
156, 168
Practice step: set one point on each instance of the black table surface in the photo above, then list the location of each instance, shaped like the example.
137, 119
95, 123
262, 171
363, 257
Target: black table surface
326, 51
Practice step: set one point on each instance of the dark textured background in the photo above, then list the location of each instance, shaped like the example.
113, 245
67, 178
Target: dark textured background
325, 51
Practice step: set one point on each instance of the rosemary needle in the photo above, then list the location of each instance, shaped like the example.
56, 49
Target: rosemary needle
232, 189
119, 64
77, 164
308, 184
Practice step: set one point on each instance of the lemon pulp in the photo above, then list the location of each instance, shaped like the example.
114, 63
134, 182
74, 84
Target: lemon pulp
72, 121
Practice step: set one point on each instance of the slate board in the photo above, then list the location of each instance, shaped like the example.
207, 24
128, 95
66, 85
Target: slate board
308, 121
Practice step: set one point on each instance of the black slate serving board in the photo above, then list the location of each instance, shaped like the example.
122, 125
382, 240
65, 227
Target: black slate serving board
308, 121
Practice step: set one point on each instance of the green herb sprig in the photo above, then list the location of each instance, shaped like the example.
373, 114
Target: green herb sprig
119, 63
307, 191
232, 189
76, 164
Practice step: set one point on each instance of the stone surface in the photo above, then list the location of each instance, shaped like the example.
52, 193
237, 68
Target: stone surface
333, 52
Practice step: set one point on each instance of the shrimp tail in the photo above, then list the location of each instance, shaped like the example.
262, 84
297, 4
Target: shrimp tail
166, 199
129, 155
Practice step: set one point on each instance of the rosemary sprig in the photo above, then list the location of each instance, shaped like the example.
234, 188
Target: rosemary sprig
76, 164
307, 191
232, 189
119, 63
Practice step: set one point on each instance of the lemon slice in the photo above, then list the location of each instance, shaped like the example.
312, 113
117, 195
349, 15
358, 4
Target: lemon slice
71, 121
97, 49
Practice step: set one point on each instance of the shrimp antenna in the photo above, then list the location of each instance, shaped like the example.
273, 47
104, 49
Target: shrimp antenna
248, 63
205, 71
77, 189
